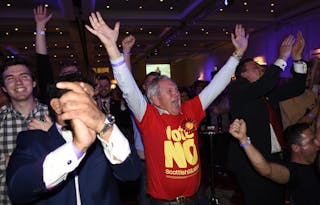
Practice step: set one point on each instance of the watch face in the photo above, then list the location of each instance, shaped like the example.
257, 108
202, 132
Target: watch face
111, 119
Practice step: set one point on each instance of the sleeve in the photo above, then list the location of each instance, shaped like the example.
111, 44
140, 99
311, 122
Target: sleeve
117, 148
58, 164
131, 92
244, 91
218, 83
294, 86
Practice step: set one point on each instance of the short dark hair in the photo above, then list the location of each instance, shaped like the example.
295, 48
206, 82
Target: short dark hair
15, 60
292, 134
241, 67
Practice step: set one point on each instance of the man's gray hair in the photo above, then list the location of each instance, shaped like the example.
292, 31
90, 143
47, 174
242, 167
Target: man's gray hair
154, 88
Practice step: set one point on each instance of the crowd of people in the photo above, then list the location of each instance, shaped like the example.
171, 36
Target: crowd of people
74, 139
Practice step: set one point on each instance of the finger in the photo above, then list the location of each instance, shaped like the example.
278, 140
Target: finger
91, 30
100, 19
47, 118
117, 26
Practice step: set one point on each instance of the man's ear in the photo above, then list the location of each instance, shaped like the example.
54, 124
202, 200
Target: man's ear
295, 148
34, 83
155, 100
55, 104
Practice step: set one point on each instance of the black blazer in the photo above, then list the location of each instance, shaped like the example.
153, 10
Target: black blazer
247, 103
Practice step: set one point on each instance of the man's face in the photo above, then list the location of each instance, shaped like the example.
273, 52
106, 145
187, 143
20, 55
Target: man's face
18, 83
253, 71
103, 87
309, 146
168, 98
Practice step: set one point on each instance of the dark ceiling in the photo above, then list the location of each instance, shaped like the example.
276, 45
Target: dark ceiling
166, 30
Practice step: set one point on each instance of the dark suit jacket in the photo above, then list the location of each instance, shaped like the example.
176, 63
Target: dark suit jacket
96, 174
247, 103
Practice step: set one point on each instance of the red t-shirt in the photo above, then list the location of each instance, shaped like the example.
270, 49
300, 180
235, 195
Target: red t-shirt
172, 150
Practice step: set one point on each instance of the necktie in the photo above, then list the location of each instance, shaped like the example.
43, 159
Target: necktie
275, 123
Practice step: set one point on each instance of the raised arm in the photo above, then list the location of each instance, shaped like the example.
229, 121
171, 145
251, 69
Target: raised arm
127, 44
223, 77
125, 80
273, 171
41, 18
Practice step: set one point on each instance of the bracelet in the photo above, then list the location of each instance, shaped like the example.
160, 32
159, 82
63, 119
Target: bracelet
235, 54
118, 64
246, 143
126, 53
41, 32
312, 116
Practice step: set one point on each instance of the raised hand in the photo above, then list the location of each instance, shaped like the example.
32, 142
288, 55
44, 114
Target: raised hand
238, 129
286, 47
240, 39
127, 43
78, 103
99, 28
298, 47
41, 17
78, 106
36, 124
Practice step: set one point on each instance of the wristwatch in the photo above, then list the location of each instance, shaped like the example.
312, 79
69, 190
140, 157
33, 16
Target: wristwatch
108, 123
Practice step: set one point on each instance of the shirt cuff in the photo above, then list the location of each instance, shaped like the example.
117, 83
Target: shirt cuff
281, 63
118, 62
117, 147
300, 67
59, 163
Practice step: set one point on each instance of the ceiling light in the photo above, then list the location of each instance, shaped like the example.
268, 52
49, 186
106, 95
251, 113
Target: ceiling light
7, 33
25, 47
207, 32
127, 32
67, 46
271, 10
16, 29
221, 9
150, 32
71, 55
100, 45
141, 29
57, 28
171, 7
186, 32
108, 7
33, 45
185, 45
54, 56
140, 7
272, 4
8, 4
55, 44
245, 3
60, 33
46, 5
